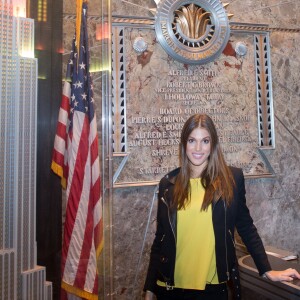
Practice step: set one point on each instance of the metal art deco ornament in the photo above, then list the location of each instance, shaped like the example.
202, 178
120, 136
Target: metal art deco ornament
191, 22
241, 49
192, 32
140, 45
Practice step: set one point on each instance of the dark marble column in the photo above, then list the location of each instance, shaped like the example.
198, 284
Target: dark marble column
48, 49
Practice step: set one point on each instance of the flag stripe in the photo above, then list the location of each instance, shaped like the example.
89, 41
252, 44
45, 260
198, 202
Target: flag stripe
60, 144
86, 249
98, 206
66, 93
63, 119
74, 190
96, 174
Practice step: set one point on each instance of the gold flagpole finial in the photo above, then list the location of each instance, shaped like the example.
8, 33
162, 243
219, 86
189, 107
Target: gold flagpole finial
78, 22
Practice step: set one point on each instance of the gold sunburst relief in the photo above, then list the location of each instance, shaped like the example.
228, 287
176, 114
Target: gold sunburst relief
192, 20
194, 31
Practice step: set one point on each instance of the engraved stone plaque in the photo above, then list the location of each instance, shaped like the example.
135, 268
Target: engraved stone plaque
161, 94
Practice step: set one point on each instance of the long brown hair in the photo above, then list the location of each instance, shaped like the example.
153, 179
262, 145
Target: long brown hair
216, 178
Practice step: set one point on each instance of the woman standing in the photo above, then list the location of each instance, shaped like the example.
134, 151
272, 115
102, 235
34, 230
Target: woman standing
199, 206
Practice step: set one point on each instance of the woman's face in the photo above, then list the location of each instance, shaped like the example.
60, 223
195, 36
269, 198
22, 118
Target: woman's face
198, 150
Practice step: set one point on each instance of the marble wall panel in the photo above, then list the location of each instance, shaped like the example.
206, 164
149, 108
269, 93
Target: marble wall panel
274, 203
136, 8
134, 227
273, 12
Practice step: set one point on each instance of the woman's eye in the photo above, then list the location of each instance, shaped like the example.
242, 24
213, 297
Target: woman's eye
206, 141
190, 140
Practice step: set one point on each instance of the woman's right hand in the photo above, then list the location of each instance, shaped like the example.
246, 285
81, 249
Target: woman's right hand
149, 295
285, 275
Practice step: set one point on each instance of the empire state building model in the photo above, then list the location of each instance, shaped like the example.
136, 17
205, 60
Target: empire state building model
20, 277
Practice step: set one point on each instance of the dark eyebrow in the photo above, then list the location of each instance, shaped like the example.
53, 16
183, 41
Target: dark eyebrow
206, 137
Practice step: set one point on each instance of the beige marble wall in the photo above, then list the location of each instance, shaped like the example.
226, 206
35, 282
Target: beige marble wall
274, 203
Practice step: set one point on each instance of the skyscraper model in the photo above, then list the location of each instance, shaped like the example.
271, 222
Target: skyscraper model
20, 277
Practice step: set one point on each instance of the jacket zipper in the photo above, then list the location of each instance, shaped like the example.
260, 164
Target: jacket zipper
232, 239
226, 251
168, 286
163, 200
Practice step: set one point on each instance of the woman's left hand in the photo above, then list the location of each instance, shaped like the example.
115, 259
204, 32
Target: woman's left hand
286, 275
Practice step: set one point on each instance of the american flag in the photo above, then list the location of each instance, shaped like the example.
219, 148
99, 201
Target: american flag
75, 159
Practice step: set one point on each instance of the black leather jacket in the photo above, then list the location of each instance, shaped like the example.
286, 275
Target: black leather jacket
225, 220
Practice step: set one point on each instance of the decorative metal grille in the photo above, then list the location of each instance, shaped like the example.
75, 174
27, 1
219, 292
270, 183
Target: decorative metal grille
118, 91
34, 283
264, 91
7, 274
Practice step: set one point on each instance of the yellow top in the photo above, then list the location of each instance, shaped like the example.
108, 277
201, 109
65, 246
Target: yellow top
195, 264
